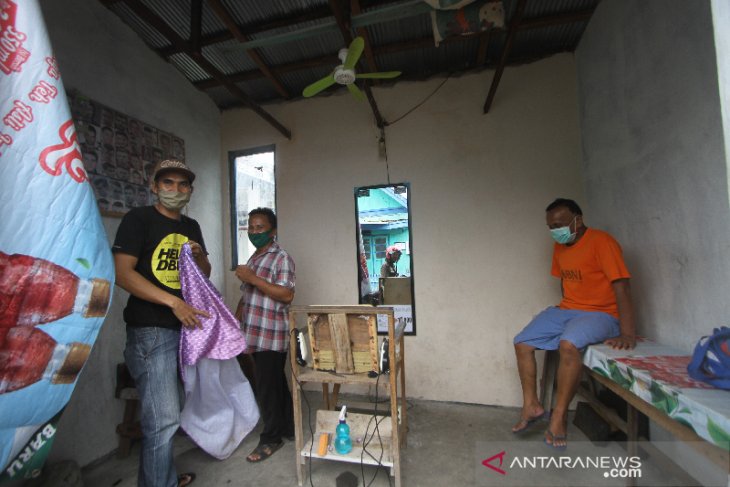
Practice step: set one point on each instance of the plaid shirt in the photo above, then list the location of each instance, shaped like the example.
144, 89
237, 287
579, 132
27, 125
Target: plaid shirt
266, 321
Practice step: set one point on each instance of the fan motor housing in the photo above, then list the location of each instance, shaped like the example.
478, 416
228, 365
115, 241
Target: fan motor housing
344, 76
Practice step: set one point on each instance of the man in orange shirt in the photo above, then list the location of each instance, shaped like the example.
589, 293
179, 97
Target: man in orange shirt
596, 307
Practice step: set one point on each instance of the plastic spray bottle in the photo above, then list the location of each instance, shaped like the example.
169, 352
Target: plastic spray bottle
343, 442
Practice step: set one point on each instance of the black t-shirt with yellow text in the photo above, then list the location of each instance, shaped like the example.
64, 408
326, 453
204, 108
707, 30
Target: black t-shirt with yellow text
156, 242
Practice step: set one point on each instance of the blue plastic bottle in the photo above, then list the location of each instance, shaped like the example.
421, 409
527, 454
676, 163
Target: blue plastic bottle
343, 442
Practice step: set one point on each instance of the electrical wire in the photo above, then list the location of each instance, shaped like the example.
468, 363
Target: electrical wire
309, 412
366, 442
420, 103
365, 436
382, 140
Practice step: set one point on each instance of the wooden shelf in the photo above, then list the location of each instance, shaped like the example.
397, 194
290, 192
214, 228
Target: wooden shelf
358, 423
311, 375
355, 455
393, 424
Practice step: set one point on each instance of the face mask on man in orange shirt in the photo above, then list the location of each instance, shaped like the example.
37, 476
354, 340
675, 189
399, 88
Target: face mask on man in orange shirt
563, 235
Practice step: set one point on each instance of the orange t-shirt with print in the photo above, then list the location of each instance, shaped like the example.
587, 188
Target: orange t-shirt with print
587, 270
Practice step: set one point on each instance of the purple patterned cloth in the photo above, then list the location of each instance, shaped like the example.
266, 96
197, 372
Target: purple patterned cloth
221, 336
220, 408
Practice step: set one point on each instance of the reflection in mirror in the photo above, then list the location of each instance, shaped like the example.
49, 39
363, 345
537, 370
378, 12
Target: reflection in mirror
385, 270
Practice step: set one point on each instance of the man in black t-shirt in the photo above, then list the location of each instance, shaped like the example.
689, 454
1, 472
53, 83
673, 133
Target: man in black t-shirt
146, 251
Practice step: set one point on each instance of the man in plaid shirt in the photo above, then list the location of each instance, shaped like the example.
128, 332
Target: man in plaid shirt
268, 288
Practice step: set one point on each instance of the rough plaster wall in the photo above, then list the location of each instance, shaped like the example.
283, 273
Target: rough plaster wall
721, 23
101, 57
480, 184
654, 159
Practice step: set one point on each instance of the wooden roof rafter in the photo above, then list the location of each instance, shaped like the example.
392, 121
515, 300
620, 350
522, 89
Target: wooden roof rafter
513, 27
363, 32
151, 18
518, 24
225, 17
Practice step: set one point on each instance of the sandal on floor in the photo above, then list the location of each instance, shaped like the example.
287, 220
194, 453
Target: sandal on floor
185, 479
264, 451
553, 437
525, 424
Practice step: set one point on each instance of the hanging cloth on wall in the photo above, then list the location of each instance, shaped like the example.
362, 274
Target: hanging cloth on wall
220, 408
452, 18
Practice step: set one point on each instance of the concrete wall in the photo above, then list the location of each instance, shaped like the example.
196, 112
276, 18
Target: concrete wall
654, 159
721, 24
101, 57
480, 183
655, 165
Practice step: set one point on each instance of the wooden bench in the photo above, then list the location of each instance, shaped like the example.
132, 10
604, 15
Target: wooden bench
129, 429
652, 379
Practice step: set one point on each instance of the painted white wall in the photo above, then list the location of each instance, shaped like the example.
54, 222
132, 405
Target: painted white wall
103, 59
654, 159
480, 183
721, 24
655, 166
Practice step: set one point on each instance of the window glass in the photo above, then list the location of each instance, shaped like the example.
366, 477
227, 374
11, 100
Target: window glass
253, 185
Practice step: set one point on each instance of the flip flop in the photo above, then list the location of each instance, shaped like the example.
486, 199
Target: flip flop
185, 479
264, 451
527, 423
554, 437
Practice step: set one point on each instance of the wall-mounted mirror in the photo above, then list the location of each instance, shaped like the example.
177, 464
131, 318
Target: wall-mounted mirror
385, 251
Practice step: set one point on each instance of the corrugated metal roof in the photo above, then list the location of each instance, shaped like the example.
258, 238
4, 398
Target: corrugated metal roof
253, 12
297, 80
228, 57
176, 14
550, 7
149, 34
307, 48
210, 23
188, 67
402, 44
393, 31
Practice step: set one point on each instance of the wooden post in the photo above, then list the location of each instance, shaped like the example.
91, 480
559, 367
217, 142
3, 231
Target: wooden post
403, 402
296, 402
632, 434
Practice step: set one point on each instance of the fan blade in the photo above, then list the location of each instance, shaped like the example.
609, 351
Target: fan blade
355, 91
354, 52
318, 86
381, 75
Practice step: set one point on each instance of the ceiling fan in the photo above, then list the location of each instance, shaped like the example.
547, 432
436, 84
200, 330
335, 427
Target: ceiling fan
344, 74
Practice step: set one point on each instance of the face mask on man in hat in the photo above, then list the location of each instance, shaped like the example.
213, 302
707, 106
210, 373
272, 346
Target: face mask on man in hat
173, 184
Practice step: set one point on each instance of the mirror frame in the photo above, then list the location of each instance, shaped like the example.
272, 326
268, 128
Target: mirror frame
358, 239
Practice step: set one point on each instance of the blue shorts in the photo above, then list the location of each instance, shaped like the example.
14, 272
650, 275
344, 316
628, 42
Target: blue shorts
581, 328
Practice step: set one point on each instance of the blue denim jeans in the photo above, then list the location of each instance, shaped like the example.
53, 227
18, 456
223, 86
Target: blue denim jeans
151, 355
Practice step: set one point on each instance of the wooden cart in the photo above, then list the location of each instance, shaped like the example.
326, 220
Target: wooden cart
344, 338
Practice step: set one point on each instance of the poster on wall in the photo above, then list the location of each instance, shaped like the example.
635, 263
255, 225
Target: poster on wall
119, 154
403, 316
56, 268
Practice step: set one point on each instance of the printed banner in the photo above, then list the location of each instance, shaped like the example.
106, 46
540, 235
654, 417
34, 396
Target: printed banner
473, 18
56, 269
